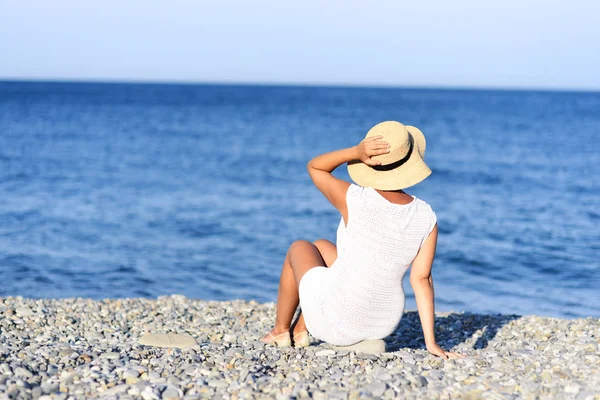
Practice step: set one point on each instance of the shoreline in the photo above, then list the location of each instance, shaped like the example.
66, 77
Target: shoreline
90, 348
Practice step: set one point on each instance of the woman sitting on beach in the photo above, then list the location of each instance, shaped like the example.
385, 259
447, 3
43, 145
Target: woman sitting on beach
353, 292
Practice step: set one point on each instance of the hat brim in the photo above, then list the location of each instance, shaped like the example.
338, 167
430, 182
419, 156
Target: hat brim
413, 171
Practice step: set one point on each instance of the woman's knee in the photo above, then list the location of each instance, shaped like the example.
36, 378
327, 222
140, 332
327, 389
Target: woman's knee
303, 251
300, 245
321, 242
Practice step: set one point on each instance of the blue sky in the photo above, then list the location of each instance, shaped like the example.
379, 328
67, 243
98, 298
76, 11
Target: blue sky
516, 44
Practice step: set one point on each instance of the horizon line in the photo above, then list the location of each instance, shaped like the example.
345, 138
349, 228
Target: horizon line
175, 82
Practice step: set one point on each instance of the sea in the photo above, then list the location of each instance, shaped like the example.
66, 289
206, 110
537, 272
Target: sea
114, 190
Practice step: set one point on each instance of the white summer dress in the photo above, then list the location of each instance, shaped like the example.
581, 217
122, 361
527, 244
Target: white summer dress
361, 296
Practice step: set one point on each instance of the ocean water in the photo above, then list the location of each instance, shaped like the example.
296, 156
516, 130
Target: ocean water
114, 190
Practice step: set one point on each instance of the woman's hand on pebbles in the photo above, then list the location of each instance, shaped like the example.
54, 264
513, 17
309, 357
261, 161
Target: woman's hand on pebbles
438, 351
370, 147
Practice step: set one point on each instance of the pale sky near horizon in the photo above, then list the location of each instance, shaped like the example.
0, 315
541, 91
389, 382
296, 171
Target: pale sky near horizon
461, 43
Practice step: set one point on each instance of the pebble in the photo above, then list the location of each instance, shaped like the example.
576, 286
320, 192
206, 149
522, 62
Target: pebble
169, 340
435, 374
461, 377
6, 369
148, 394
586, 396
81, 348
49, 387
325, 353
384, 376
229, 338
572, 389
131, 373
115, 390
24, 311
376, 388
170, 393
244, 374
23, 373
110, 355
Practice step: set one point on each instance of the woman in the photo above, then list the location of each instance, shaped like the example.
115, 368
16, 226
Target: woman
353, 292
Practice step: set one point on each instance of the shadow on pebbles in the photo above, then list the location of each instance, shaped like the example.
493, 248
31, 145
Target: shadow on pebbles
174, 347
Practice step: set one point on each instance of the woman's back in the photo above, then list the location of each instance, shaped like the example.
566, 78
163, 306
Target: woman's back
375, 249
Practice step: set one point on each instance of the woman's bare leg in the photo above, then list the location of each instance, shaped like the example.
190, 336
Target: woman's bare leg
301, 257
328, 253
287, 297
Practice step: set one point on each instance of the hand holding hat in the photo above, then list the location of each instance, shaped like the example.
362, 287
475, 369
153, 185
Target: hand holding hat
370, 147
400, 166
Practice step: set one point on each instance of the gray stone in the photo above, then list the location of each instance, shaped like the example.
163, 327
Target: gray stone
171, 393
586, 395
131, 373
384, 376
116, 390
36, 392
376, 388
49, 387
243, 374
461, 377
435, 374
6, 369
368, 356
23, 373
110, 355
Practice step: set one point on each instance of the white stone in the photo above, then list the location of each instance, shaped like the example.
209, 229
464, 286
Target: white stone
111, 355
119, 389
572, 388
366, 346
324, 353
24, 311
229, 338
171, 393
148, 394
167, 340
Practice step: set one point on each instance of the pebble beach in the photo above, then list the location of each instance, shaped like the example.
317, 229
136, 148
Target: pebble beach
82, 348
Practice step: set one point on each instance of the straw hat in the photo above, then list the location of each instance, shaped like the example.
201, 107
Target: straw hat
402, 167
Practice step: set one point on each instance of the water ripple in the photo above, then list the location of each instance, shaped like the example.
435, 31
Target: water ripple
144, 190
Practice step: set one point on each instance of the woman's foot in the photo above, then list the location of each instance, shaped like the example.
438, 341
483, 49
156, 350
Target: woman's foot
277, 338
301, 338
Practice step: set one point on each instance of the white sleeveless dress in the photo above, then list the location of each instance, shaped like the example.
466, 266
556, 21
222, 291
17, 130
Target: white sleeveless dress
361, 296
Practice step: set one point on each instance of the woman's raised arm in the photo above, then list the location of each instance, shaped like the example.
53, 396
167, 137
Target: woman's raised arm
321, 167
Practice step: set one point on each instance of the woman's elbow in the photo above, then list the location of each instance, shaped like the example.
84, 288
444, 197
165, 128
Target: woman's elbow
420, 281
